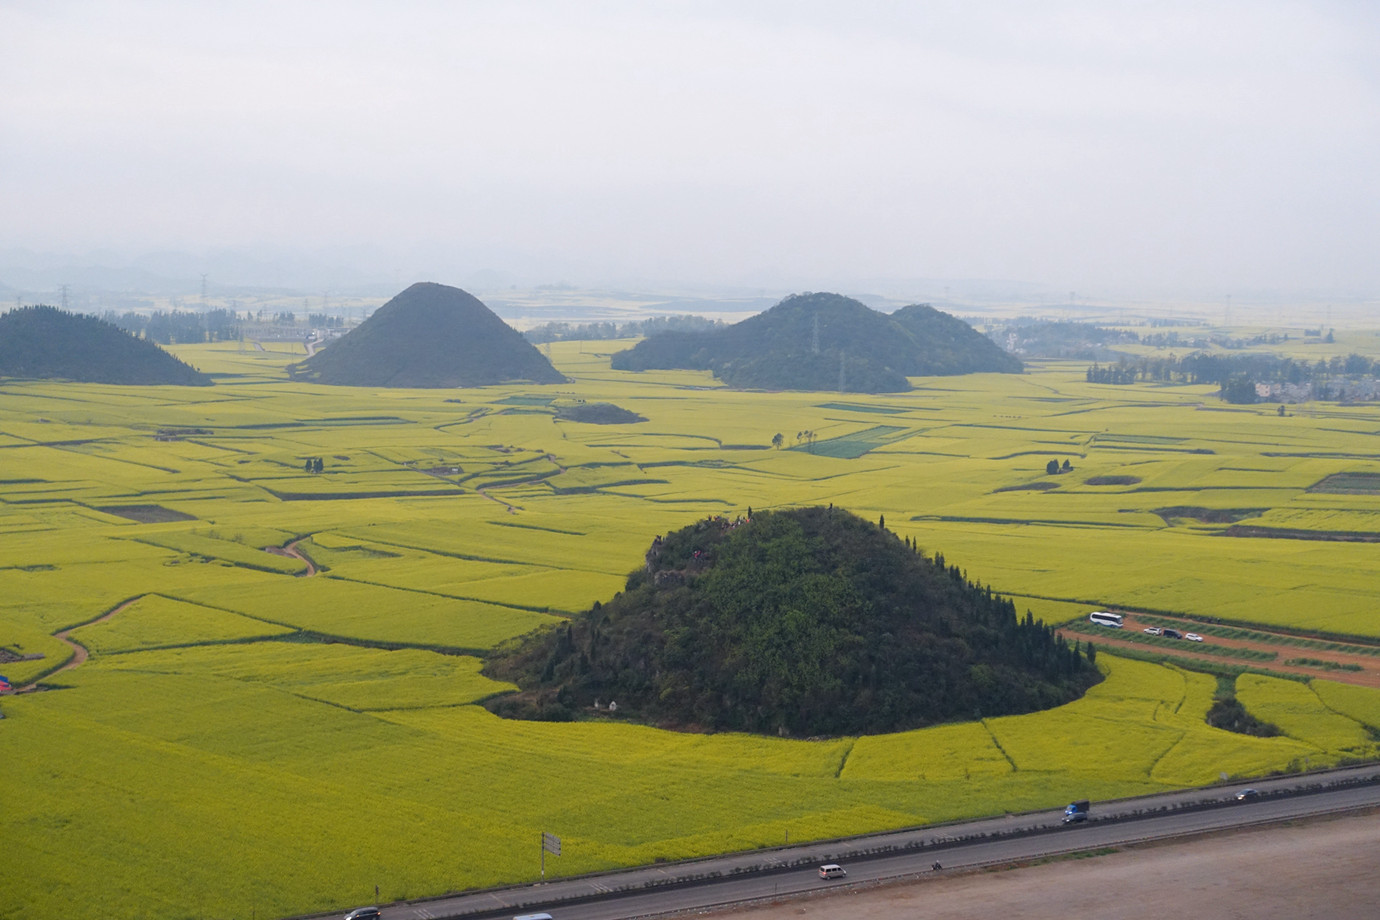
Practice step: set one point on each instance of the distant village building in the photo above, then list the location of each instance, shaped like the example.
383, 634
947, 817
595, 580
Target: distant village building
1331, 389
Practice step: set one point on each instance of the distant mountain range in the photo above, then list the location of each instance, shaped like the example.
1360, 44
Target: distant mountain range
46, 343
430, 335
827, 342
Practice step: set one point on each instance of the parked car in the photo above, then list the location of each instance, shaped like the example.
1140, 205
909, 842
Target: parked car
1245, 795
1193, 637
1173, 634
1153, 631
364, 913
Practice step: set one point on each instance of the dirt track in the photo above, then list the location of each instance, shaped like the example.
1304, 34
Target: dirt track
292, 552
1285, 648
79, 653
1319, 870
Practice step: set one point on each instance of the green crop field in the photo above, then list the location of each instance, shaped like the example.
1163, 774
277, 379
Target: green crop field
245, 733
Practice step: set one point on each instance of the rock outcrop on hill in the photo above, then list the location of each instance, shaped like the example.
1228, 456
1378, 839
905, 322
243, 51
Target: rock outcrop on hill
805, 622
826, 342
43, 342
429, 336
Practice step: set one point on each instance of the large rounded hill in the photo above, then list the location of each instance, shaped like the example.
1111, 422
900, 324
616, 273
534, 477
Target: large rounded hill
430, 336
826, 342
46, 343
805, 622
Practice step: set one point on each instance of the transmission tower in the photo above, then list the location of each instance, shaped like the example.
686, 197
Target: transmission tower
203, 289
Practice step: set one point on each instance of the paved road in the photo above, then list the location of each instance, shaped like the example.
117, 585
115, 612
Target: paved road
769, 873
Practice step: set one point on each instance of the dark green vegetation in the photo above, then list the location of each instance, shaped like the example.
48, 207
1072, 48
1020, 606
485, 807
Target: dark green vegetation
1228, 713
430, 335
1357, 483
804, 622
46, 343
1323, 665
1349, 378
598, 414
1061, 339
180, 326
1207, 515
654, 325
826, 342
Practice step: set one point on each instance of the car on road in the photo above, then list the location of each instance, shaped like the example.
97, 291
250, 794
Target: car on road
832, 870
1245, 795
1173, 634
364, 913
1152, 631
1193, 637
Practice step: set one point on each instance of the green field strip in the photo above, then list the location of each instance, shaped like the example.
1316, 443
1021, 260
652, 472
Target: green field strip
520, 526
1042, 522
526, 608
857, 407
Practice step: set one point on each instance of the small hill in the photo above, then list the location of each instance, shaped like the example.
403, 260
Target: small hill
430, 336
598, 414
805, 622
47, 343
946, 345
826, 342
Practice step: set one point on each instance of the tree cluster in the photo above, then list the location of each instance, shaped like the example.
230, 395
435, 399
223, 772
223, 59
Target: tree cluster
655, 325
805, 622
1228, 713
1233, 369
179, 327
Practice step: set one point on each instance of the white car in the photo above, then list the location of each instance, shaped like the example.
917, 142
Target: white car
1193, 637
1152, 631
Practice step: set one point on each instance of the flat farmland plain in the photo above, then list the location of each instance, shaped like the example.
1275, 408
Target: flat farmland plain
250, 738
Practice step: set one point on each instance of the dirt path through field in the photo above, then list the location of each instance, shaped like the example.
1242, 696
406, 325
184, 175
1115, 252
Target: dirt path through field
1324, 870
292, 551
79, 653
1284, 646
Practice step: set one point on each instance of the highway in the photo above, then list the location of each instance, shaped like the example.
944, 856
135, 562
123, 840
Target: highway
764, 874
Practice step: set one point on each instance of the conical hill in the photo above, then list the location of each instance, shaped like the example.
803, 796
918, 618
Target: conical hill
429, 336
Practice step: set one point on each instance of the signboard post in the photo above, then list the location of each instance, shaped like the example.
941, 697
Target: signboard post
550, 843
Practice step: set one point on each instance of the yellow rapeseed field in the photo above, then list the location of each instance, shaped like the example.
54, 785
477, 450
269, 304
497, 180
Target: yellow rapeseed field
244, 734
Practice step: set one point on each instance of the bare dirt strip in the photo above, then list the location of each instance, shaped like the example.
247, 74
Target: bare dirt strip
1327, 869
1285, 647
290, 550
79, 653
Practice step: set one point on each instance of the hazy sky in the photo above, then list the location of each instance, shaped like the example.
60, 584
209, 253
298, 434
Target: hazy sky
1196, 147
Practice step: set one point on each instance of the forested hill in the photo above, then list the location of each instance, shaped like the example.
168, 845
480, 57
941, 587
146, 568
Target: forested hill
826, 342
805, 622
946, 345
47, 343
430, 335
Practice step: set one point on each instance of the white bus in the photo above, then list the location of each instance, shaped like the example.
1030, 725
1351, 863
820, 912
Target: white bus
1103, 618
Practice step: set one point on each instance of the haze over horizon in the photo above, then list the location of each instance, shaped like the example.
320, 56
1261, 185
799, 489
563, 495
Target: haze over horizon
1179, 150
